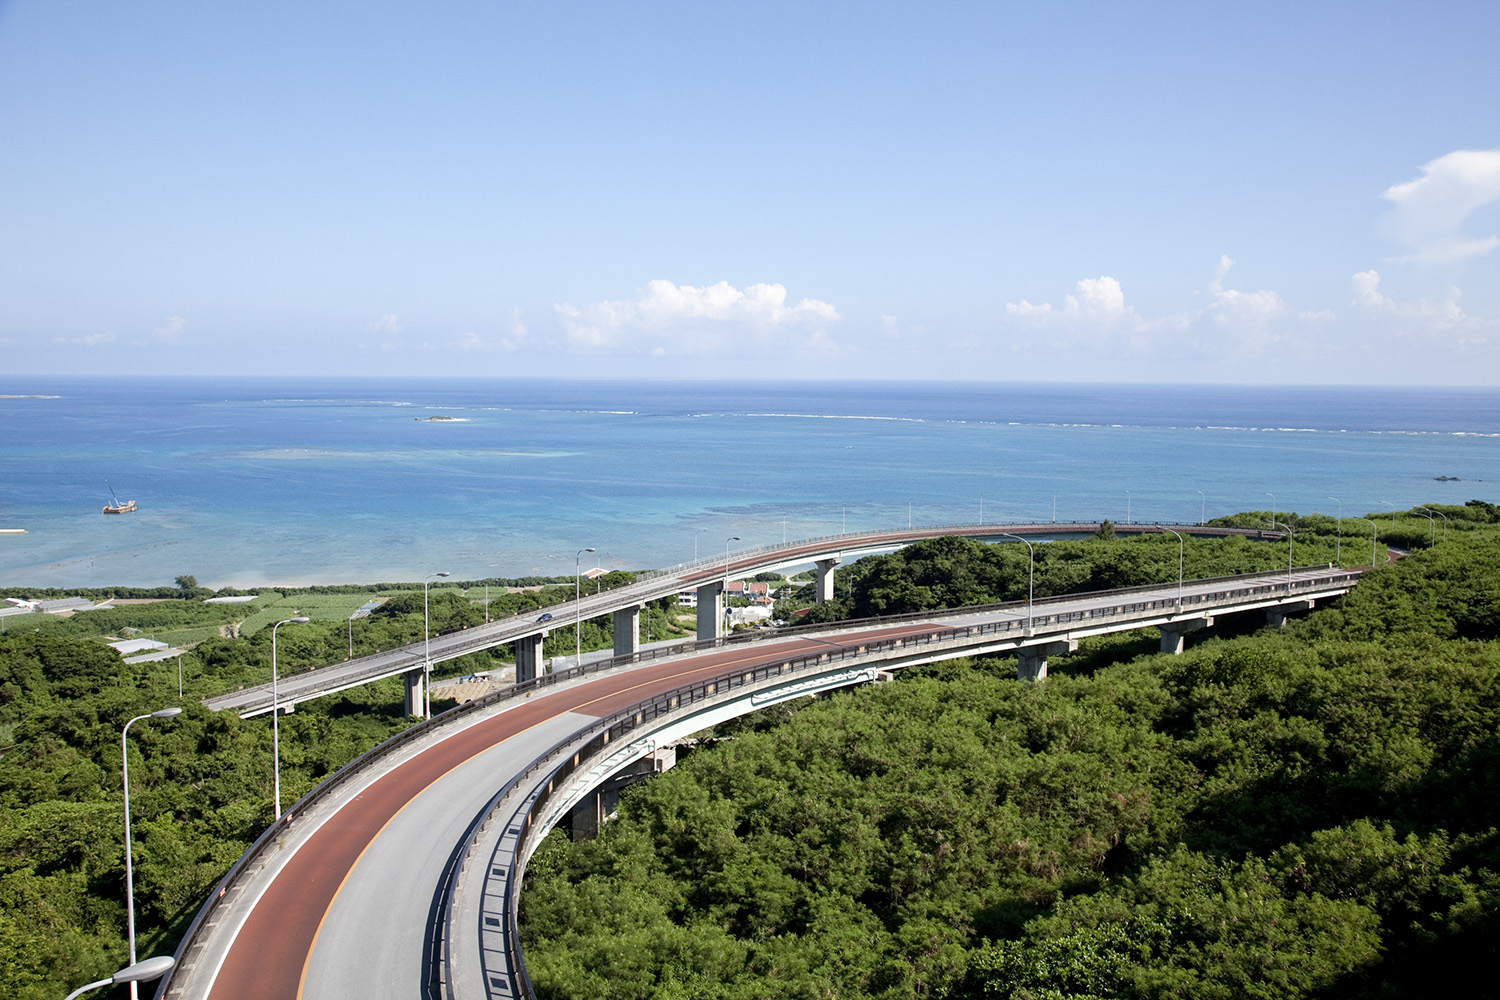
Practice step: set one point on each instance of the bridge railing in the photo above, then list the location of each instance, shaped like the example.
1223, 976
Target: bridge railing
417, 655
598, 737
245, 866
709, 563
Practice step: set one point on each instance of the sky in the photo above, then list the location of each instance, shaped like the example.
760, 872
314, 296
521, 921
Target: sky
1146, 192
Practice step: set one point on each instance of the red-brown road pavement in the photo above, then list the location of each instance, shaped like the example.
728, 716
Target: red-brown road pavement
271, 951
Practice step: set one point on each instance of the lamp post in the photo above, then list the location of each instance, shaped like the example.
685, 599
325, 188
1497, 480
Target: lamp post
1202, 508
696, 533
151, 968
427, 649
276, 710
1127, 507
1031, 574
731, 538
1179, 568
1338, 540
1273, 509
908, 515
578, 607
1393, 511
1440, 514
1288, 528
1374, 535
1431, 524
165, 713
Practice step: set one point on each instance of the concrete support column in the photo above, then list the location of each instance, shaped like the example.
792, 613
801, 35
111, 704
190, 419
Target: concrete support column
1173, 634
1031, 661
710, 610
825, 578
600, 803
628, 630
416, 704
529, 657
1276, 617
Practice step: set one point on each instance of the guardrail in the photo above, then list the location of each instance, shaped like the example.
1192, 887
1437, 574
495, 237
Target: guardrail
685, 573
598, 736
370, 758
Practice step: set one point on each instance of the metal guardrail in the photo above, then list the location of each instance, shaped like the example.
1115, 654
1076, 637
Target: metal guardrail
686, 573
600, 735
370, 758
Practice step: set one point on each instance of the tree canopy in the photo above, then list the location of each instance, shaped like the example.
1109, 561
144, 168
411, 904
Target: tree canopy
1294, 813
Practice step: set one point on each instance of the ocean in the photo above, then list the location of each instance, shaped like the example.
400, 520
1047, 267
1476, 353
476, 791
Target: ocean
253, 482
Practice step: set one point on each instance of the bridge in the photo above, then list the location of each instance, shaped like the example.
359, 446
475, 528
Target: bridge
399, 875
625, 604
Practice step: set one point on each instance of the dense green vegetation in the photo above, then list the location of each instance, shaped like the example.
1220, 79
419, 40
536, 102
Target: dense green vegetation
959, 572
201, 783
1295, 813
1115, 791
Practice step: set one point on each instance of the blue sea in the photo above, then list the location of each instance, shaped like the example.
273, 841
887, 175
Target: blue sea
253, 482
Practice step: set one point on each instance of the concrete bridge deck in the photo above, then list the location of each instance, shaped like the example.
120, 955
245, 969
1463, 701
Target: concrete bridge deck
397, 876
709, 574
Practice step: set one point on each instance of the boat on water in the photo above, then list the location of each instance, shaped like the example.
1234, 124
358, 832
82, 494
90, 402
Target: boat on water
117, 507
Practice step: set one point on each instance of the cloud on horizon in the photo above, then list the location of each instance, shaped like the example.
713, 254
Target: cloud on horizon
667, 318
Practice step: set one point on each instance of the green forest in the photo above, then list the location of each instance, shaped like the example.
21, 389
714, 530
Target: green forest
870, 789
1304, 812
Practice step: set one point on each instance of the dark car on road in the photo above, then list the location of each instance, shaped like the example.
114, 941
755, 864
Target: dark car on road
546, 617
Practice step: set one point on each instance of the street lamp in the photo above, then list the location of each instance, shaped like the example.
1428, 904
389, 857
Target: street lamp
1288, 528
731, 538
578, 606
908, 515
1031, 575
427, 646
1374, 535
1273, 509
1440, 514
165, 713
1127, 507
1431, 524
151, 968
276, 709
696, 533
1179, 568
1202, 508
1393, 511
1338, 540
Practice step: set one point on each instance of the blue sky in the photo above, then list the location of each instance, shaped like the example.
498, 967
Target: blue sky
1183, 192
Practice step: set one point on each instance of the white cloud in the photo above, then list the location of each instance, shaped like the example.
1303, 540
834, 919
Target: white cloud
696, 320
100, 339
170, 332
1429, 211
1098, 299
1441, 319
387, 324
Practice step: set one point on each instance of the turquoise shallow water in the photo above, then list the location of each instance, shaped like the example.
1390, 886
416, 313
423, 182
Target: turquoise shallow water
321, 480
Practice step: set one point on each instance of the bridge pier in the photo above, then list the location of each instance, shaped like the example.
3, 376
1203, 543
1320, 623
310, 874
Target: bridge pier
628, 630
588, 816
529, 657
710, 610
1031, 661
1174, 634
416, 703
824, 592
1276, 617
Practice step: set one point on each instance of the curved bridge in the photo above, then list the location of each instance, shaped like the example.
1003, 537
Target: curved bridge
707, 576
398, 876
